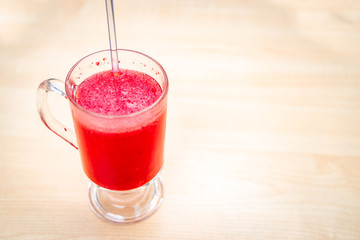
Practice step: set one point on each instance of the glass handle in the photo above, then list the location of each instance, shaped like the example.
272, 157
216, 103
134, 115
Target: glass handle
56, 86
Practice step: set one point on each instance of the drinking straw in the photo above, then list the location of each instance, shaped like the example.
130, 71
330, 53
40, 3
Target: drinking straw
112, 35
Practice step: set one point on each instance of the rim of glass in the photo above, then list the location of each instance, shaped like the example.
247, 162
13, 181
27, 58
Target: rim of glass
162, 96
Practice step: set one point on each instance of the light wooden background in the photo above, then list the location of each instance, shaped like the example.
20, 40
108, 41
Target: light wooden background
263, 134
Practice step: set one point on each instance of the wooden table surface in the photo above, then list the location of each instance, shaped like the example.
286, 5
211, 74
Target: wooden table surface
263, 132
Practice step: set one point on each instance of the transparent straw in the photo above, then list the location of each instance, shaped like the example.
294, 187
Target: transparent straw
112, 35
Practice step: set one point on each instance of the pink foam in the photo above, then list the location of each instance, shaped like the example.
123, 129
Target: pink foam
119, 93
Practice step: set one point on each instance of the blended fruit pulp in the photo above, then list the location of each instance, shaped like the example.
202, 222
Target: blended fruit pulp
120, 160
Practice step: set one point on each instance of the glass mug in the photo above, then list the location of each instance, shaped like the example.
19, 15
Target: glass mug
121, 155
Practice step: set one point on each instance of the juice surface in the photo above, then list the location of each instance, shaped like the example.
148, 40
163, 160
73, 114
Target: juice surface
120, 160
118, 93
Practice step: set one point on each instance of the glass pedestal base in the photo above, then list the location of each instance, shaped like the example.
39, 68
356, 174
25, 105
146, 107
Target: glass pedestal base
126, 206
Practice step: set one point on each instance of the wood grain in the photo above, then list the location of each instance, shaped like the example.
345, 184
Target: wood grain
263, 136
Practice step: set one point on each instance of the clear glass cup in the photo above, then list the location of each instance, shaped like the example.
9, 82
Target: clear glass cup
121, 155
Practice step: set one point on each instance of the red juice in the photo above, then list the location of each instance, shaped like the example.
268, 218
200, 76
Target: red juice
115, 155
